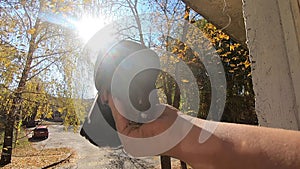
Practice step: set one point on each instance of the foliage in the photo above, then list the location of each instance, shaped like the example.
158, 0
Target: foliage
37, 61
240, 101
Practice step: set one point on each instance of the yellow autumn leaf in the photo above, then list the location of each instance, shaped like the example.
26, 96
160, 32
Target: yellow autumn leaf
185, 81
235, 58
186, 15
231, 47
232, 65
31, 31
86, 1
172, 58
66, 9
60, 109
174, 50
224, 36
247, 64
226, 60
217, 39
219, 50
231, 71
237, 45
7, 64
23, 2
48, 115
210, 26
223, 55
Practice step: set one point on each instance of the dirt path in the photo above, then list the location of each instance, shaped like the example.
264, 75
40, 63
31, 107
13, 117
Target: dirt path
90, 156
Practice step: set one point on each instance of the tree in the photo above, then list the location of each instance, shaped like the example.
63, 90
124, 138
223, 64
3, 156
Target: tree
32, 53
239, 107
240, 103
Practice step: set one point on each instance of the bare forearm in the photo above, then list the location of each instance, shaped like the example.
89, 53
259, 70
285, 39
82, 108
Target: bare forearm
240, 146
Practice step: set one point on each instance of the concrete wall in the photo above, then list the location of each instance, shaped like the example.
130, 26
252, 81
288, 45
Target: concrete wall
273, 34
272, 30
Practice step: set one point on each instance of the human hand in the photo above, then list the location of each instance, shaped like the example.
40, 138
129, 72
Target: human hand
157, 137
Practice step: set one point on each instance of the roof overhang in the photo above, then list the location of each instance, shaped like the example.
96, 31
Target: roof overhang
224, 14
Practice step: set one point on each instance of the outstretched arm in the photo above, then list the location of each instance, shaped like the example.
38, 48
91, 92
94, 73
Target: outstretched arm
230, 145
240, 146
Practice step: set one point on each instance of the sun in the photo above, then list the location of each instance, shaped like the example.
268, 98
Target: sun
87, 26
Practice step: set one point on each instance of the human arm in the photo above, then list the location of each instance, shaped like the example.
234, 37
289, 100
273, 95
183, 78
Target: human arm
240, 146
230, 145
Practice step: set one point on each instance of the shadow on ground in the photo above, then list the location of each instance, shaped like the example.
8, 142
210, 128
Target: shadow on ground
36, 139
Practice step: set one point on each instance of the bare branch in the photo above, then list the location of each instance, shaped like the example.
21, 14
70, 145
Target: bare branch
135, 4
130, 38
195, 16
41, 61
26, 13
46, 67
120, 4
127, 28
21, 19
163, 8
38, 63
175, 8
51, 54
137, 19
43, 38
32, 92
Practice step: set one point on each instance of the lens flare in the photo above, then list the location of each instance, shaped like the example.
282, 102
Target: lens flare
87, 26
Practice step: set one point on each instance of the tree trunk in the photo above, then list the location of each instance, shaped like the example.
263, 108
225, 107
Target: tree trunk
16, 138
176, 99
176, 102
8, 133
183, 165
10, 122
8, 140
11, 115
165, 162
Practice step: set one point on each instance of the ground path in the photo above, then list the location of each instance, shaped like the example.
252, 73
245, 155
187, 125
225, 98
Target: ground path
90, 156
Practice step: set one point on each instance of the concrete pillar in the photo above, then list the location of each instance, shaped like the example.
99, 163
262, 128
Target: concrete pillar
273, 38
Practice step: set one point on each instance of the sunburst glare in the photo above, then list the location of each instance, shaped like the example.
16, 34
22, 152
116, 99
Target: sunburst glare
87, 26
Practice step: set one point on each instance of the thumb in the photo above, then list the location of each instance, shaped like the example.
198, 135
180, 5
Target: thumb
121, 122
